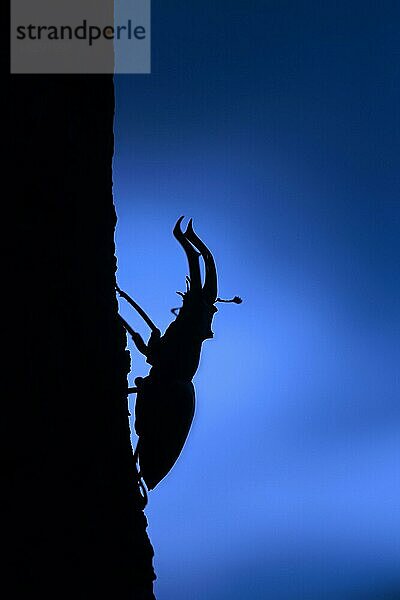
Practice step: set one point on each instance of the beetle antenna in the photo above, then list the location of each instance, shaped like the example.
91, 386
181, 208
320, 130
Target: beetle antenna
235, 300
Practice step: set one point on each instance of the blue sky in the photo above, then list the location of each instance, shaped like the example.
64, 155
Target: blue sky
275, 126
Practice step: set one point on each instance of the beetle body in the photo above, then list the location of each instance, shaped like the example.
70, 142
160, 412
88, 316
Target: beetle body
165, 402
164, 413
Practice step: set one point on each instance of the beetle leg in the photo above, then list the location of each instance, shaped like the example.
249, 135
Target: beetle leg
138, 308
136, 337
210, 284
192, 256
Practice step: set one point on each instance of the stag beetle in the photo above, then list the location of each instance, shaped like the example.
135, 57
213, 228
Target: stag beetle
165, 399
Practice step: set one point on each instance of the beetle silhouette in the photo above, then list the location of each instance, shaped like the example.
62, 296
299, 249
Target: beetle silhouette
165, 402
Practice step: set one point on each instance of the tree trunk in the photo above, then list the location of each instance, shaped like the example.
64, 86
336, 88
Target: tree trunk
80, 530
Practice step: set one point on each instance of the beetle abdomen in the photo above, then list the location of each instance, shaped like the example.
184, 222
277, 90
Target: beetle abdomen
163, 416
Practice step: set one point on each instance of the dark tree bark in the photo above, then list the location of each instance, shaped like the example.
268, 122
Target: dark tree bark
80, 531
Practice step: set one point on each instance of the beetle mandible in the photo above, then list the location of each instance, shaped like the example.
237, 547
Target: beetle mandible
165, 400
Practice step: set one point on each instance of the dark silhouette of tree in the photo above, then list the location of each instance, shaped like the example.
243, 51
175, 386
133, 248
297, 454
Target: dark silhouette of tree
79, 530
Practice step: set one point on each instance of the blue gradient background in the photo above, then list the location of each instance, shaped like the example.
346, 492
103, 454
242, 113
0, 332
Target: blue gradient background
275, 126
